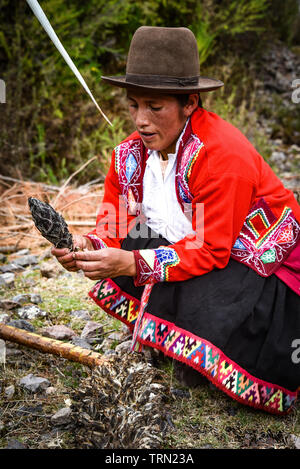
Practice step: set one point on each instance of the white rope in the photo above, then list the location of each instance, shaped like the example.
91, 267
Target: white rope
37, 10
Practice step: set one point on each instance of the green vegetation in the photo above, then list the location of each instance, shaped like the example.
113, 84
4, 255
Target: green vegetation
49, 126
203, 417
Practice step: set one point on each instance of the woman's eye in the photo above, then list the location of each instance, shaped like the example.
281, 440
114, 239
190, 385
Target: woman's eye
154, 108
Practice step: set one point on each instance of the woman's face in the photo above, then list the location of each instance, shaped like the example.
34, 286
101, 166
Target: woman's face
158, 118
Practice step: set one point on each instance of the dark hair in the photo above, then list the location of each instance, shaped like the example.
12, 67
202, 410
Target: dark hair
183, 99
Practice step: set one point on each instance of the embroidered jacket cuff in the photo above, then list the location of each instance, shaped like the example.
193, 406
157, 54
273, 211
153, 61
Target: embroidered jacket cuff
97, 243
152, 265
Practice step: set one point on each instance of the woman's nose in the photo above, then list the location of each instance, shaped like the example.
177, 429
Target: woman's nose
141, 118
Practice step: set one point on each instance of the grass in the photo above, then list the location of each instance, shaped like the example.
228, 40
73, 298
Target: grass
206, 419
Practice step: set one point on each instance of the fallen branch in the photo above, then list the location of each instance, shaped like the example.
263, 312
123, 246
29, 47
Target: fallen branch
52, 346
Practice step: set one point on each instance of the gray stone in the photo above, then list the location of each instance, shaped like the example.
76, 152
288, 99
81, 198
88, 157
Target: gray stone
91, 332
21, 324
278, 157
4, 318
9, 391
59, 332
22, 252
31, 312
12, 443
51, 269
115, 336
123, 347
13, 352
296, 440
50, 390
62, 416
27, 298
8, 304
81, 314
35, 298
11, 267
3, 258
81, 343
110, 352
34, 383
7, 279
3, 352
26, 260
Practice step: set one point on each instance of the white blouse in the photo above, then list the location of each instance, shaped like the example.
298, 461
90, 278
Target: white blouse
160, 204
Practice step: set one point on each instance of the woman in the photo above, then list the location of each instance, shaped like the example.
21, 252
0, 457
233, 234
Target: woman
196, 246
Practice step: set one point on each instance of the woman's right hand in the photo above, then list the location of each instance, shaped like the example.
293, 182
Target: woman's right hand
65, 256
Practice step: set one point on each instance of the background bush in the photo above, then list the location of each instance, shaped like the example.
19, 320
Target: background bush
49, 126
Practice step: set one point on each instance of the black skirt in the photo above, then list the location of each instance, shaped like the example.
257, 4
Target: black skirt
238, 329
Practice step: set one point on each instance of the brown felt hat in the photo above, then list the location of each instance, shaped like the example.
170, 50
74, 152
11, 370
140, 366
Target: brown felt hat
165, 60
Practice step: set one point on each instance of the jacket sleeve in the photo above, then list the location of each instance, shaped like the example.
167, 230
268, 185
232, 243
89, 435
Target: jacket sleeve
113, 221
219, 209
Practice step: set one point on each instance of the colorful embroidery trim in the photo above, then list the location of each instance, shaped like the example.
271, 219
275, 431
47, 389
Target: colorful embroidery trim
129, 167
265, 241
193, 351
152, 265
130, 158
97, 243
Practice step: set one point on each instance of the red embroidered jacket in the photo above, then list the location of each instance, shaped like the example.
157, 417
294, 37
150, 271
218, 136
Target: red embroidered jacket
248, 214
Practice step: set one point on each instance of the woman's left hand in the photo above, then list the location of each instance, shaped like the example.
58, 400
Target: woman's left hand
105, 263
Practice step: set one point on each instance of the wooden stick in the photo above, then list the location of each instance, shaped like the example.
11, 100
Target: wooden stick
53, 346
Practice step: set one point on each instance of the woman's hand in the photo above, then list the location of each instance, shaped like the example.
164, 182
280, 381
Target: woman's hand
104, 263
65, 256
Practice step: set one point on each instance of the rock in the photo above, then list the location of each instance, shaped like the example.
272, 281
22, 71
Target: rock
91, 332
62, 416
296, 441
8, 304
181, 393
27, 298
13, 352
123, 347
46, 254
2, 352
12, 443
81, 314
50, 390
9, 391
12, 267
34, 383
106, 345
21, 324
7, 279
24, 261
31, 312
115, 336
22, 252
81, 343
51, 269
110, 352
278, 158
59, 332
4, 318
3, 258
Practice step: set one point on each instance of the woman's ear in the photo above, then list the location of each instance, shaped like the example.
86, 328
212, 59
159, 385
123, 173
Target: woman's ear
191, 105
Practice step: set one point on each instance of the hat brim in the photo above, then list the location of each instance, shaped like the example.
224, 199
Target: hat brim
204, 84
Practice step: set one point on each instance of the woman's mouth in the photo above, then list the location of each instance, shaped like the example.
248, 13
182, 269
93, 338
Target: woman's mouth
147, 136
